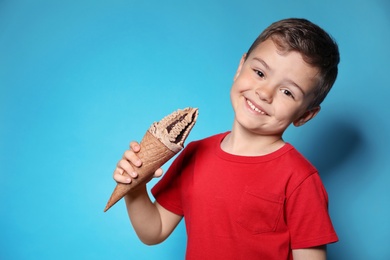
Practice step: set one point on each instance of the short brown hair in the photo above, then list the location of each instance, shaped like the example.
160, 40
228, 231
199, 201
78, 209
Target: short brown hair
317, 47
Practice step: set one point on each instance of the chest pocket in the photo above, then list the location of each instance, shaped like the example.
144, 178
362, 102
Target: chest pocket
260, 212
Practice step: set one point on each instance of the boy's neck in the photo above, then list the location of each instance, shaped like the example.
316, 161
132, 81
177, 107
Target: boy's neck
250, 144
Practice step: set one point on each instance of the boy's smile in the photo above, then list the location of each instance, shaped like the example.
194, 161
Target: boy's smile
271, 90
255, 108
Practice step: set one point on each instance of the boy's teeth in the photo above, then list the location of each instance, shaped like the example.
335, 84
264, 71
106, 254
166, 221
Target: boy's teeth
255, 108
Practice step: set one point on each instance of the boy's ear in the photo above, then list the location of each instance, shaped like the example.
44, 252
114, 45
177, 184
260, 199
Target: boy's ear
309, 114
240, 66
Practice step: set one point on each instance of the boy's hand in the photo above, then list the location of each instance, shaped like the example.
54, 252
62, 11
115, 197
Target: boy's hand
124, 171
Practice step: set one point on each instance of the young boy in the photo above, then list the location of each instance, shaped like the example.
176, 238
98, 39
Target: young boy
247, 194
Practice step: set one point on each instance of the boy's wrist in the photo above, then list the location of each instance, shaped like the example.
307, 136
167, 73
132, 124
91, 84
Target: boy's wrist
136, 193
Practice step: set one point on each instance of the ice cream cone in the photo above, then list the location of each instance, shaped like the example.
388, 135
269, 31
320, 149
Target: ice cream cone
160, 143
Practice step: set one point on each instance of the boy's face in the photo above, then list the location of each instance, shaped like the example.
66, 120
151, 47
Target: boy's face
272, 89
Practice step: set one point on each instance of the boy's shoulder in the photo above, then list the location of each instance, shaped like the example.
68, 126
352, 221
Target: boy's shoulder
206, 143
288, 155
298, 167
296, 157
209, 139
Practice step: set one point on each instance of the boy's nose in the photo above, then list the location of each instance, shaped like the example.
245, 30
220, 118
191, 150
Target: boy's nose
265, 93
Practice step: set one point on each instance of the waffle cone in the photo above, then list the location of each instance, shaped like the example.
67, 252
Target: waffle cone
153, 155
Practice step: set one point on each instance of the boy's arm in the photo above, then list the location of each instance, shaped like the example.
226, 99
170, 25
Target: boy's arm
152, 223
314, 253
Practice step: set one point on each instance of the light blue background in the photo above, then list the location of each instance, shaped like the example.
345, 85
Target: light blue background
80, 79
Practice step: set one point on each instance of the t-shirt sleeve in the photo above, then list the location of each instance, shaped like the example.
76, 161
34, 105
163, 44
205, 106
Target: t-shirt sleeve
167, 191
307, 215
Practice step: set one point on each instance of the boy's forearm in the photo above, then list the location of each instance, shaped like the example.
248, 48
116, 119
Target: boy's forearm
144, 216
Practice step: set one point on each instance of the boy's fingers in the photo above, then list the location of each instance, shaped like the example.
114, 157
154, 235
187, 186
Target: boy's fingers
132, 157
125, 167
124, 172
119, 171
134, 146
121, 177
158, 173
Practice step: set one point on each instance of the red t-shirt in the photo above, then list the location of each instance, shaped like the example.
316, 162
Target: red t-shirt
243, 207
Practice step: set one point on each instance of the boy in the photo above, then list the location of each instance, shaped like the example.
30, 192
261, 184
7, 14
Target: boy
247, 194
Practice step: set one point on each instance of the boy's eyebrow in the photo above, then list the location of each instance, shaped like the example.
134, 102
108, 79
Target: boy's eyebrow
262, 62
297, 86
289, 81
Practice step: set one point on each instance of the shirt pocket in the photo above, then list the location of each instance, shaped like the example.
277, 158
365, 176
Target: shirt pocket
259, 211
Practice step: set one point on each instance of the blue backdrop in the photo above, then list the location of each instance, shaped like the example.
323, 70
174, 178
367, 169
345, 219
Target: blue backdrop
80, 79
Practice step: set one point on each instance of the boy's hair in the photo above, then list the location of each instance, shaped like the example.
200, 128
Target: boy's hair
317, 47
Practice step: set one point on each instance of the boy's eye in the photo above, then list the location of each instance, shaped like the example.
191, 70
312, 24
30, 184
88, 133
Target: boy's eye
287, 93
260, 74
